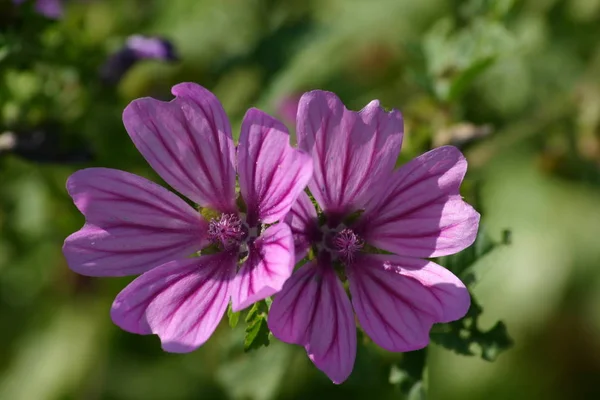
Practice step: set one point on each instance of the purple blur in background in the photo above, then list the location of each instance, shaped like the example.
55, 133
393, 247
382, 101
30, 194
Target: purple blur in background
137, 47
48, 8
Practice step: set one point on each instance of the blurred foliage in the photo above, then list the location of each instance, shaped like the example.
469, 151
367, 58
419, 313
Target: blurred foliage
514, 83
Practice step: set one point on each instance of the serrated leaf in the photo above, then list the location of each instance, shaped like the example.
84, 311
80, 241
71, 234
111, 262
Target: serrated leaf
463, 335
495, 341
233, 317
257, 330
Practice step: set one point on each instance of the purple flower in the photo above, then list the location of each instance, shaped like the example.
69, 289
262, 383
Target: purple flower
137, 48
134, 226
48, 8
411, 213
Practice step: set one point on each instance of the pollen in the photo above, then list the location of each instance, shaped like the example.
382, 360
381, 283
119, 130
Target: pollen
226, 231
347, 244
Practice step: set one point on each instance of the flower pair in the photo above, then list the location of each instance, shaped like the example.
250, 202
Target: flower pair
374, 228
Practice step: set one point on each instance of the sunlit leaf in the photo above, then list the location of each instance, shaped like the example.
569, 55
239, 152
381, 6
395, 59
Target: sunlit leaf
257, 331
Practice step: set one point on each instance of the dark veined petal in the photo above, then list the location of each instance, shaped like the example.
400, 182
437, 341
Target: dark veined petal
188, 143
270, 263
272, 173
398, 299
132, 224
352, 151
314, 311
182, 301
302, 219
421, 213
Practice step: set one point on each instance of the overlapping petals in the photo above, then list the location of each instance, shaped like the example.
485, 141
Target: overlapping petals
270, 263
397, 299
314, 311
420, 213
272, 174
132, 224
302, 219
351, 150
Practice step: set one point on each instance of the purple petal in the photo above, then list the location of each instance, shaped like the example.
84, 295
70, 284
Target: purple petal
132, 224
49, 8
272, 173
302, 219
151, 47
398, 299
188, 142
421, 212
182, 301
351, 150
270, 263
313, 311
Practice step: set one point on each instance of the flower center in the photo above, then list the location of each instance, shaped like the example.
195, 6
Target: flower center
347, 243
226, 231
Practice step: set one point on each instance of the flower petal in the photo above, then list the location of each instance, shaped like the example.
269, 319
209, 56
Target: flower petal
188, 142
50, 8
132, 224
351, 150
182, 301
302, 219
421, 212
270, 263
272, 173
398, 299
313, 310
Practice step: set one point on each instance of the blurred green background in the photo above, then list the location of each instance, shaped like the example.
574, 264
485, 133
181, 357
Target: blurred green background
515, 83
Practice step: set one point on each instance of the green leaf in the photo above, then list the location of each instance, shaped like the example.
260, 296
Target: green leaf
257, 330
409, 374
464, 335
455, 57
494, 341
233, 317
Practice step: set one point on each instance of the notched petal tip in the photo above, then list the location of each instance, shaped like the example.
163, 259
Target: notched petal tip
420, 212
398, 299
255, 116
375, 110
188, 142
353, 151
